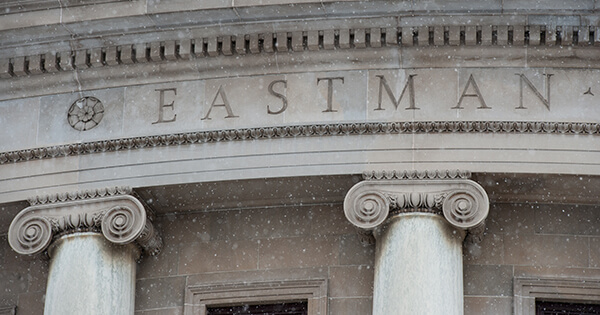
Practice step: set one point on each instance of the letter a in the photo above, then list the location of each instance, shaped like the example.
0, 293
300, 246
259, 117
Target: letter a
220, 92
471, 82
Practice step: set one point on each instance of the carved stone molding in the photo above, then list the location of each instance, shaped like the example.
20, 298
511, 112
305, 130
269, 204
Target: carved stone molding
463, 203
79, 195
120, 217
8, 310
206, 290
14, 6
577, 290
313, 130
293, 41
414, 174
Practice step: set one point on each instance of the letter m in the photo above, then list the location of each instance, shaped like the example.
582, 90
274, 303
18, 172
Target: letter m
383, 84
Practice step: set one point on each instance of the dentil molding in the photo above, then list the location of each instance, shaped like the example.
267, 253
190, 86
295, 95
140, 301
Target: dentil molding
120, 217
463, 202
294, 41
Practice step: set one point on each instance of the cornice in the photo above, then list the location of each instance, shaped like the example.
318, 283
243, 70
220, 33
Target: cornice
463, 202
120, 217
296, 131
295, 40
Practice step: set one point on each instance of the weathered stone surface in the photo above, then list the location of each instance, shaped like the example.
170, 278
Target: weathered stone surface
301, 252
413, 241
225, 256
488, 280
548, 250
101, 282
488, 305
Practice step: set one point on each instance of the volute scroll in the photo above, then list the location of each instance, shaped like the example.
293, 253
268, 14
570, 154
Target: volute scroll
120, 217
463, 203
367, 210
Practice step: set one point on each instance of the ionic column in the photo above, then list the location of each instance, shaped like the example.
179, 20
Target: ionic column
93, 239
419, 222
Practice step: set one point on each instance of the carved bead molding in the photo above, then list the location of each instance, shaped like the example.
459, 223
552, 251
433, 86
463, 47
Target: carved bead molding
295, 131
121, 218
80, 195
462, 202
297, 41
414, 174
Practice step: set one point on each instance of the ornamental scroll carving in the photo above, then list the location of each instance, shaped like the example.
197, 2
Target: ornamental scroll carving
121, 218
461, 201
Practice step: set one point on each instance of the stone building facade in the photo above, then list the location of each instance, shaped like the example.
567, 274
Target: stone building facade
353, 157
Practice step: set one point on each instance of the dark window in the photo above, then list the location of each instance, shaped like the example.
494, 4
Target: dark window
560, 308
295, 308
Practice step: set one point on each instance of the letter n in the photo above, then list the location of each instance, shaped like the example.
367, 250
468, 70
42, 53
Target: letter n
545, 101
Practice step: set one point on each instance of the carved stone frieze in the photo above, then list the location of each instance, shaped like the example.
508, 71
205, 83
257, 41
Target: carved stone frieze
120, 217
462, 202
313, 130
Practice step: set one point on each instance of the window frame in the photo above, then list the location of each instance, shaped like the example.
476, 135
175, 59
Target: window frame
199, 296
576, 290
8, 310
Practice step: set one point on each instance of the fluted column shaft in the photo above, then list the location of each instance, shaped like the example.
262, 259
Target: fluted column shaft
90, 275
418, 266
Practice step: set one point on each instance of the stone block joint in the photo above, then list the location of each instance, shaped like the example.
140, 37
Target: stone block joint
113, 212
463, 203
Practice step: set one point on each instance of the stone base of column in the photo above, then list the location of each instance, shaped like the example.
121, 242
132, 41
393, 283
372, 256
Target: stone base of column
90, 275
418, 268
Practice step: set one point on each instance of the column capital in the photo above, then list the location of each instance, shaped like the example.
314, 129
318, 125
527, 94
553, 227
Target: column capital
114, 212
463, 202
